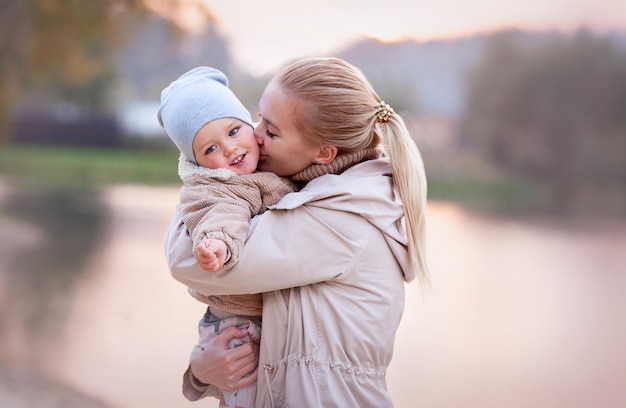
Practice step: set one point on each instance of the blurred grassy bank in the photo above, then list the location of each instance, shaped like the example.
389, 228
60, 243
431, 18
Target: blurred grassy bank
71, 167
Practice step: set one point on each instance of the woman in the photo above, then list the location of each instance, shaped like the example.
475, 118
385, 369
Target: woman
331, 260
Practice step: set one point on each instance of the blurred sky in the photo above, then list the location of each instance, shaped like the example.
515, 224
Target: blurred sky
265, 34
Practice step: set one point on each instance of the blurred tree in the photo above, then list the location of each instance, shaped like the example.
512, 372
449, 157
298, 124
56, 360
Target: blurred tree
66, 46
552, 110
492, 95
155, 52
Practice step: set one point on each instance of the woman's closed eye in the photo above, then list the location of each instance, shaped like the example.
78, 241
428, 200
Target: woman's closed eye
269, 134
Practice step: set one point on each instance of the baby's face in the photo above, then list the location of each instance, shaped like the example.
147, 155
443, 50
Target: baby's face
227, 143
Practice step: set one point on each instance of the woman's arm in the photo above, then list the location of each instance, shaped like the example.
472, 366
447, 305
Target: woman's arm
284, 249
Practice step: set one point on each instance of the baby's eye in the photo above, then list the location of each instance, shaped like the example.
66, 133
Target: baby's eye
233, 132
211, 149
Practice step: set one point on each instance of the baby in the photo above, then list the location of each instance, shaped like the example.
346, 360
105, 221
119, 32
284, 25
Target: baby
221, 191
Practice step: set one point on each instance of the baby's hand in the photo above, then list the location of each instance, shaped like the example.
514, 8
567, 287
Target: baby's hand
211, 254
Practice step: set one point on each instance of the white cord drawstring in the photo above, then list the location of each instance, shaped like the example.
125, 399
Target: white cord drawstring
267, 368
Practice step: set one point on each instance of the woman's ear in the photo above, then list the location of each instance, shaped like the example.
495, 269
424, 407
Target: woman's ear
326, 154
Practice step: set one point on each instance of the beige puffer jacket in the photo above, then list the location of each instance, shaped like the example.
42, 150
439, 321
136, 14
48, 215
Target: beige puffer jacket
332, 262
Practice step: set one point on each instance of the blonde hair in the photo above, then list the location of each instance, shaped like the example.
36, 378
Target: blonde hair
337, 106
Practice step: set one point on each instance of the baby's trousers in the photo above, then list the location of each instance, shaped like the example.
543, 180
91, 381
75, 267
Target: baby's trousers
215, 322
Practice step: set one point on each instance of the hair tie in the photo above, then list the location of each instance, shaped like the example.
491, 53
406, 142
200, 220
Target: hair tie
383, 112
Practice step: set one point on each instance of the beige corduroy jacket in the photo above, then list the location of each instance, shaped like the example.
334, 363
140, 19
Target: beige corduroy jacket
218, 204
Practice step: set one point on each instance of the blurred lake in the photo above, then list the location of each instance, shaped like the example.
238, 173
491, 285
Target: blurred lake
522, 313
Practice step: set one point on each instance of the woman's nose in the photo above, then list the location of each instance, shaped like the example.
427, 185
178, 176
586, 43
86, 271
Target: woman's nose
258, 135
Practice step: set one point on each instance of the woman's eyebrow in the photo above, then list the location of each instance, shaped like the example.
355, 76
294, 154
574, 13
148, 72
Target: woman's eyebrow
272, 124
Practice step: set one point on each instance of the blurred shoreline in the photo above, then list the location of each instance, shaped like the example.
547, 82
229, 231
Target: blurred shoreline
26, 389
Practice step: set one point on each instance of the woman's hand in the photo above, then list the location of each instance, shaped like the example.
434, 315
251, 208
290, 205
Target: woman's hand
228, 369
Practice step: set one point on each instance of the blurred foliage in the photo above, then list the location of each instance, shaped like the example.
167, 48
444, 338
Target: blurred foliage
550, 110
65, 48
553, 111
44, 42
156, 51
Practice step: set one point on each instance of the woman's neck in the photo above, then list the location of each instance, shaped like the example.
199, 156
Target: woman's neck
340, 164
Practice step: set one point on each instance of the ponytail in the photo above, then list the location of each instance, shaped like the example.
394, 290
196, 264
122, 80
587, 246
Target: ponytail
409, 177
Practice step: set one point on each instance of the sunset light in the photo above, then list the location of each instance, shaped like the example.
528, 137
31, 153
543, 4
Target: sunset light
263, 35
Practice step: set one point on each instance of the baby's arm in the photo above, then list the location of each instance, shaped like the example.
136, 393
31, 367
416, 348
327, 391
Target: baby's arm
211, 254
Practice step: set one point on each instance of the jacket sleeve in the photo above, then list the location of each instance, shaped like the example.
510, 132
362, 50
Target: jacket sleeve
222, 209
284, 249
194, 391
217, 210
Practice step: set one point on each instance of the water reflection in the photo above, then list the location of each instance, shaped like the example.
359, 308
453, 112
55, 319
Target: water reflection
522, 313
59, 230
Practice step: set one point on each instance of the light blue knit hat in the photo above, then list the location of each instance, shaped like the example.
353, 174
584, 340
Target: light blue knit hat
193, 100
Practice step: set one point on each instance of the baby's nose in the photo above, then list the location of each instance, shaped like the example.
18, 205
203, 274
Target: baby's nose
230, 148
